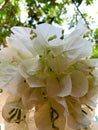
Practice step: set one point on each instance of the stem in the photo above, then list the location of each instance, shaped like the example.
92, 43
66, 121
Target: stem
81, 15
3, 4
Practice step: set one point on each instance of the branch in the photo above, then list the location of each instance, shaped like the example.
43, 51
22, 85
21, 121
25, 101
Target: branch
3, 4
82, 15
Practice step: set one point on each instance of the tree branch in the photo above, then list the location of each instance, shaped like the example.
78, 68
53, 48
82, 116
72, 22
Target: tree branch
81, 15
3, 4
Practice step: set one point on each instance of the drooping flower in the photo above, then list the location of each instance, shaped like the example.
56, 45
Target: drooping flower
44, 69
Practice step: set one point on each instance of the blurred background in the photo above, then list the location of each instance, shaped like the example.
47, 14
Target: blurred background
65, 13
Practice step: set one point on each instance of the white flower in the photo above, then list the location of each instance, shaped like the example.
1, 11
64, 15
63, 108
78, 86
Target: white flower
77, 118
16, 126
3, 98
54, 113
44, 69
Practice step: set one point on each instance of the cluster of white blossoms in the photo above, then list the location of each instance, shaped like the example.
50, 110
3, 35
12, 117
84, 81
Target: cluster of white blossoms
51, 75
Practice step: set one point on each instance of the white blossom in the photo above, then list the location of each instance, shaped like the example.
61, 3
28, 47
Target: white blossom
43, 69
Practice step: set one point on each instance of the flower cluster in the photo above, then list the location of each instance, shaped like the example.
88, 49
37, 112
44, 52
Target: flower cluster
50, 73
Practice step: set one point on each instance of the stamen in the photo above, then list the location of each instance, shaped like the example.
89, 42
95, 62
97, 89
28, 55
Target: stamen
12, 111
62, 37
84, 112
90, 107
54, 117
33, 35
52, 38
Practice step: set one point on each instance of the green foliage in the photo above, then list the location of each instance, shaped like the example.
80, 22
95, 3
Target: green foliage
45, 11
8, 18
89, 2
39, 11
1, 1
95, 51
95, 47
96, 36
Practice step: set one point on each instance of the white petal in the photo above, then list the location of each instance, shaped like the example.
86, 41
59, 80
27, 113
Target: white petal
53, 87
10, 55
91, 97
93, 90
30, 121
39, 45
80, 123
60, 110
79, 84
32, 97
57, 105
9, 60
92, 62
19, 46
17, 86
7, 73
94, 125
3, 98
35, 46
48, 30
56, 46
89, 102
23, 34
43, 117
76, 118
58, 64
66, 86
75, 45
81, 27
16, 126
29, 67
83, 120
74, 39
12, 109
83, 51
62, 101
35, 82
72, 123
